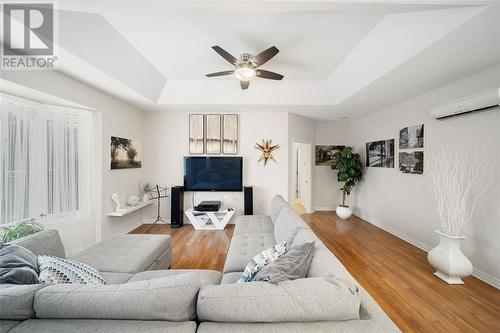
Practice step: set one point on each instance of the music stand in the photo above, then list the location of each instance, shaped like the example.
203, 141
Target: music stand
157, 193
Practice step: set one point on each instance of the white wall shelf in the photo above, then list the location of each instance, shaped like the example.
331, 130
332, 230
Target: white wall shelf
130, 209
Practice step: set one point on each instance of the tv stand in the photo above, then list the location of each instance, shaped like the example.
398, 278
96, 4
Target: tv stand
209, 220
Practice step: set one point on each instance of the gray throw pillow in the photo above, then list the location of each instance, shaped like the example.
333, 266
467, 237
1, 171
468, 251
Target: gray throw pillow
290, 266
18, 265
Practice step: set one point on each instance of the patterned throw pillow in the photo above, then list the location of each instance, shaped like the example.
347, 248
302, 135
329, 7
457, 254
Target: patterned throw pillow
54, 270
262, 259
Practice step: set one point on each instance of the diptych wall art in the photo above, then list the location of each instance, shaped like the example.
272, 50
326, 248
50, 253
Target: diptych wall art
380, 154
411, 149
213, 134
325, 154
411, 137
412, 162
125, 153
196, 134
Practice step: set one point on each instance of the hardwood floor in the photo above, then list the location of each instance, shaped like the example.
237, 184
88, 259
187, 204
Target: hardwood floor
194, 249
394, 272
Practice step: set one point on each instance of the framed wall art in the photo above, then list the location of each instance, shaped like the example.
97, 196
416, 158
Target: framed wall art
230, 134
214, 133
196, 134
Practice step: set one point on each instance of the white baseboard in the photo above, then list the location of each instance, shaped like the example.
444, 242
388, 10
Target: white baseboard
425, 247
324, 208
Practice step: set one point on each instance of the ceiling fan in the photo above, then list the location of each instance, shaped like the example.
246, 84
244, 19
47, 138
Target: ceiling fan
246, 68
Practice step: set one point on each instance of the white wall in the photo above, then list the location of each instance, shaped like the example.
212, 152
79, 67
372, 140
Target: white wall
166, 143
114, 118
404, 204
300, 130
326, 192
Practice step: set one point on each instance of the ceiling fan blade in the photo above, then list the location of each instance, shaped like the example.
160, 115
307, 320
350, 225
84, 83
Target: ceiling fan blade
220, 73
244, 84
226, 55
269, 75
265, 56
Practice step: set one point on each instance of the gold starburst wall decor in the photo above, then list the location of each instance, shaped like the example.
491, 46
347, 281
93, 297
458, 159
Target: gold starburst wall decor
266, 149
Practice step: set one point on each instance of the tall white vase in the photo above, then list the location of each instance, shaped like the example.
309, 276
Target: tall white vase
447, 258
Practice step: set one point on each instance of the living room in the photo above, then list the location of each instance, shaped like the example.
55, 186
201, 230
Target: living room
359, 164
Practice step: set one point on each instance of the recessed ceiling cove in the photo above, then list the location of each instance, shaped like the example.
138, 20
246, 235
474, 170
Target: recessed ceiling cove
339, 58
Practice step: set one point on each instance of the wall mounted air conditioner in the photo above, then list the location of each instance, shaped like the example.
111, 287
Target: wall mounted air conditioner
482, 101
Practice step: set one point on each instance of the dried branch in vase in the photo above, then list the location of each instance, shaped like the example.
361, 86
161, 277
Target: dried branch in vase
457, 185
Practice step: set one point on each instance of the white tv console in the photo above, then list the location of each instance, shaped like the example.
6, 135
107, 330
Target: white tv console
209, 220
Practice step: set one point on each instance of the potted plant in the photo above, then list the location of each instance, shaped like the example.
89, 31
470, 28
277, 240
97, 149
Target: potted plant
20, 229
350, 169
455, 179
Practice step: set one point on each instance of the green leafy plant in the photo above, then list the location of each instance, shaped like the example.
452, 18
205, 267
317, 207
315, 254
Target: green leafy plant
18, 230
350, 170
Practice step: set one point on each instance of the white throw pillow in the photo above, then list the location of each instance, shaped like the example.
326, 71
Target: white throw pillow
54, 270
262, 259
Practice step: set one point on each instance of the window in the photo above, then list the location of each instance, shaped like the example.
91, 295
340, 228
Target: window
44, 159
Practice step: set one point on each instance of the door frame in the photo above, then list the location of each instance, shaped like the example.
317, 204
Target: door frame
307, 152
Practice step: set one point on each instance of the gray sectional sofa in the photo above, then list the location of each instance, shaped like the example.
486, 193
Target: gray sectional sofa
138, 297
147, 300
217, 304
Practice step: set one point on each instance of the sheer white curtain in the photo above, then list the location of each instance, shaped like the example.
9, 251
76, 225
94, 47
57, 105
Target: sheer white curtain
44, 161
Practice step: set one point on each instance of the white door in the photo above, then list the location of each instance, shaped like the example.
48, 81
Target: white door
302, 175
305, 176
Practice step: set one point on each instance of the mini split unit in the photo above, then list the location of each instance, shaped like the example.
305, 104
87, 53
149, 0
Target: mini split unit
486, 100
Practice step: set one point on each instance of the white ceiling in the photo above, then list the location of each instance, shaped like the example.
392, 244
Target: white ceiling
338, 57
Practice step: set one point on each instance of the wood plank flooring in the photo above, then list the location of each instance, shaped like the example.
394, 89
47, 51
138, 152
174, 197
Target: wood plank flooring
394, 272
200, 249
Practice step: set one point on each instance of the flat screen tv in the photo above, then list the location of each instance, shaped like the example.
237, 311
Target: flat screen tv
203, 173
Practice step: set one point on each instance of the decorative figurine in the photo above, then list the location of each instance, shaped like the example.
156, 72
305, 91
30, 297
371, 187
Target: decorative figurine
132, 200
116, 199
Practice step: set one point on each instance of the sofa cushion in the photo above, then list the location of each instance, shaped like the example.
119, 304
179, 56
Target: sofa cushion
46, 242
244, 247
163, 261
290, 266
324, 263
125, 253
277, 203
305, 236
7, 325
116, 278
206, 276
171, 298
312, 299
248, 224
16, 301
55, 270
18, 265
350, 326
231, 277
102, 326
262, 259
287, 224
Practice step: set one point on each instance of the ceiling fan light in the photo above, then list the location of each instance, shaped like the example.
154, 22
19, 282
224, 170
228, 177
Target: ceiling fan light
245, 73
